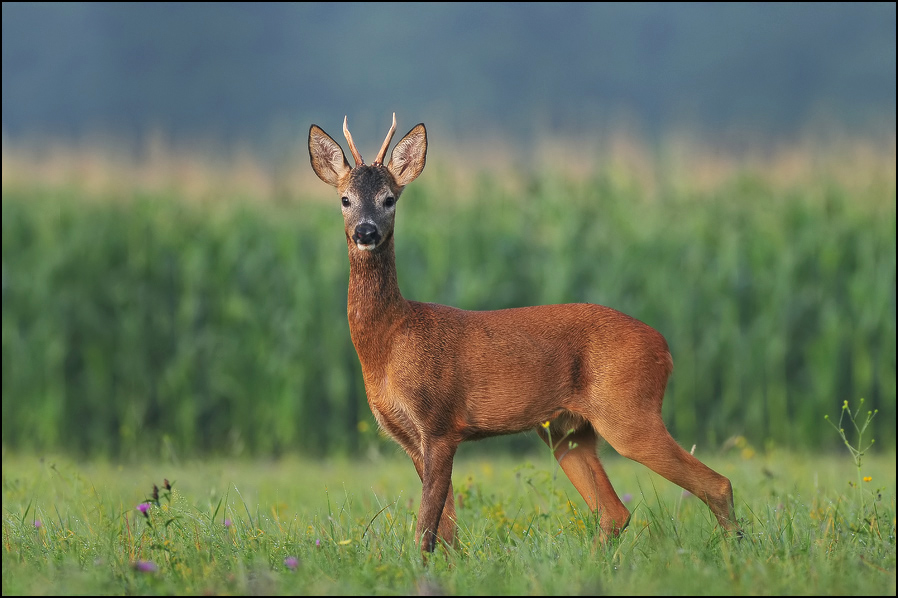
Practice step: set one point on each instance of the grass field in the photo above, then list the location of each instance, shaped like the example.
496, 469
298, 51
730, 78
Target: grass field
337, 527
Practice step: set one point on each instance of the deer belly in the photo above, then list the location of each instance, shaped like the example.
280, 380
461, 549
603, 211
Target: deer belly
521, 400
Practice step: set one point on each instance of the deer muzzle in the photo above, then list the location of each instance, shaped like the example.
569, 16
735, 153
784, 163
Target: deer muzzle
366, 236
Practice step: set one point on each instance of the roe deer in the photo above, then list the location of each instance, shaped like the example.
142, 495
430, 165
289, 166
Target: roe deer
436, 376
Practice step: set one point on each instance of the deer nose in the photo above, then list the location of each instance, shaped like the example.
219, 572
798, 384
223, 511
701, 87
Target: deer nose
366, 234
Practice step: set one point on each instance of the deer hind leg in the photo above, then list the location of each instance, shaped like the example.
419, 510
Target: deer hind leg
576, 453
645, 439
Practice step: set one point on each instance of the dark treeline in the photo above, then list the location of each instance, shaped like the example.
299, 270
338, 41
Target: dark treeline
262, 71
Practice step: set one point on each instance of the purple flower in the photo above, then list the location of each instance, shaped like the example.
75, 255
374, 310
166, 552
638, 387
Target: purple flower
227, 523
144, 508
291, 562
146, 566
627, 497
318, 542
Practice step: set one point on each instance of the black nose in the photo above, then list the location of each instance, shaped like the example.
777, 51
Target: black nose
366, 234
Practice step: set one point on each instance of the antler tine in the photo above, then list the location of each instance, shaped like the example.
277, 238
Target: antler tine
352, 148
383, 150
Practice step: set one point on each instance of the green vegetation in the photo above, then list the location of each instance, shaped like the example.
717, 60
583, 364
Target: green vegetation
299, 526
145, 322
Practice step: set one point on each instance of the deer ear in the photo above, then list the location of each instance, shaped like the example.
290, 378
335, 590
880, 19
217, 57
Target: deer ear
328, 160
408, 157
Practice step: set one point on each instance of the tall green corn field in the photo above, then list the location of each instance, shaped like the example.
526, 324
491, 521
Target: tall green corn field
156, 324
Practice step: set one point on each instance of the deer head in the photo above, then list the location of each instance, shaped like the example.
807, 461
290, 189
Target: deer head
368, 193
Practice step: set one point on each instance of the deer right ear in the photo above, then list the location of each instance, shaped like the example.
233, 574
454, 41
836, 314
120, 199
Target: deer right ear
326, 155
409, 155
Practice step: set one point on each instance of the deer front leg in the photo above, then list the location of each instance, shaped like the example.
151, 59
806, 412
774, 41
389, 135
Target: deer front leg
436, 481
447, 519
447, 527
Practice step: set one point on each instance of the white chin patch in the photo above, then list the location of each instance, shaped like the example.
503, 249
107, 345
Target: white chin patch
365, 247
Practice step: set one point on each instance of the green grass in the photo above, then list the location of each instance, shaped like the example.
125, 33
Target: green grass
349, 525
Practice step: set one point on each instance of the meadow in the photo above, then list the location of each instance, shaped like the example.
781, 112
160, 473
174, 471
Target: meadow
338, 527
170, 318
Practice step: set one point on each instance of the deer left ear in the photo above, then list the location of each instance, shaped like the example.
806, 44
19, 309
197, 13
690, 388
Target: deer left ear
409, 155
328, 160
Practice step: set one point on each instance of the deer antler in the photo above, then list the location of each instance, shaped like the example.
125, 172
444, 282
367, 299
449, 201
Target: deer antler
383, 150
352, 148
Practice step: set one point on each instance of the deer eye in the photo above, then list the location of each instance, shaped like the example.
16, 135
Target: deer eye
345, 201
389, 202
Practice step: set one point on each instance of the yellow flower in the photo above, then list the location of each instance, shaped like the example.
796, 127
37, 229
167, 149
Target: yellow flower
868, 479
546, 425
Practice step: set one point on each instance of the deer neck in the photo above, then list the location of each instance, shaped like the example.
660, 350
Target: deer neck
374, 303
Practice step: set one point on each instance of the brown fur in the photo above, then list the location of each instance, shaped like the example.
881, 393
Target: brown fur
436, 376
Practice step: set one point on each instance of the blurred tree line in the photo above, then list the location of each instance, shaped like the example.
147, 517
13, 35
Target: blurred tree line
254, 71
